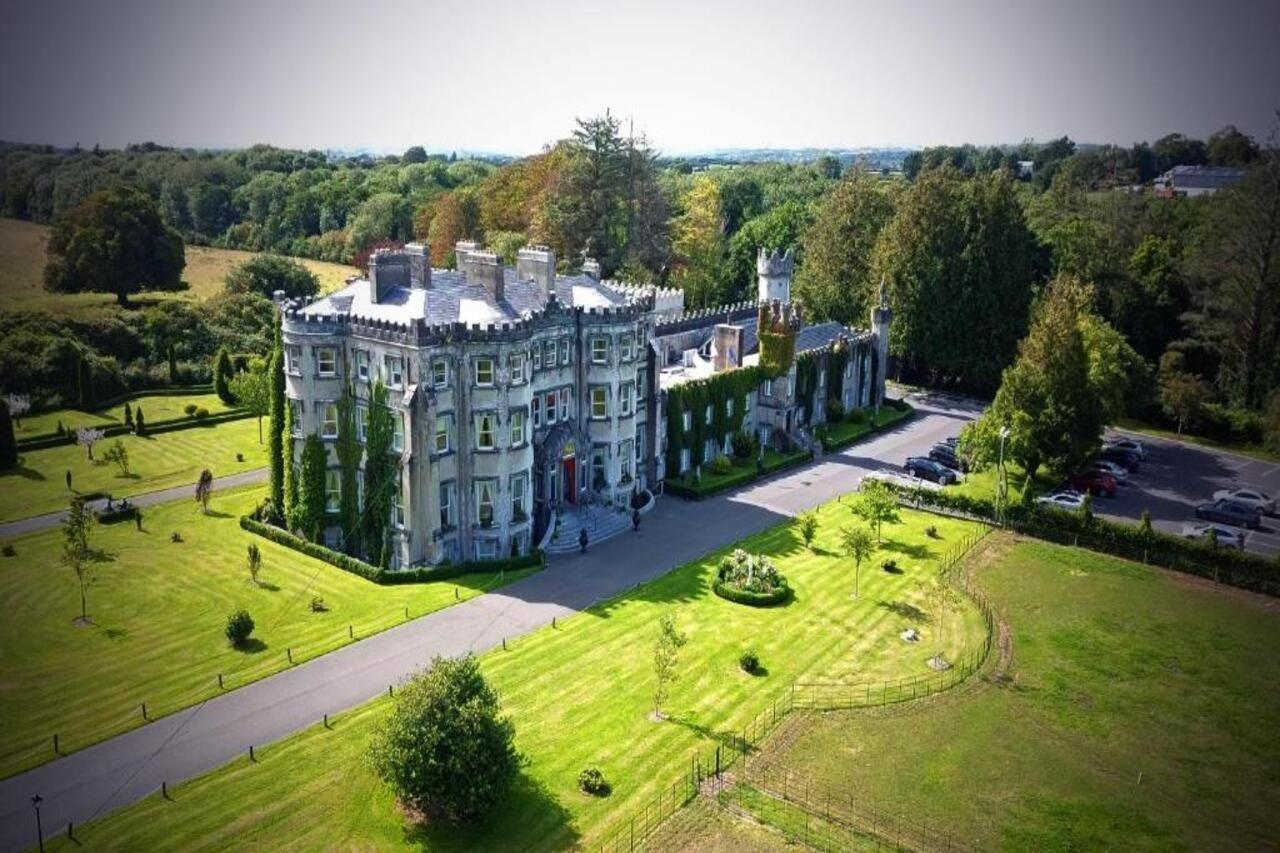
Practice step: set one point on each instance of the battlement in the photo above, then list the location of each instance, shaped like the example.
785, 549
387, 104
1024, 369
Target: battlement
773, 264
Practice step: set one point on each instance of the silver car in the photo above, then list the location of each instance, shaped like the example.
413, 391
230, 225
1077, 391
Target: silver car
1253, 498
1227, 538
1118, 472
1063, 500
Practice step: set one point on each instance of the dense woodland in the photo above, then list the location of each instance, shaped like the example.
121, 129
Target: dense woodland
964, 241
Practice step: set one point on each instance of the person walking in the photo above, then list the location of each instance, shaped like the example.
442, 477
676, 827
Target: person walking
582, 539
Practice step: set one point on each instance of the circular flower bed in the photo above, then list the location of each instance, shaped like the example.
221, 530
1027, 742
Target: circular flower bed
754, 581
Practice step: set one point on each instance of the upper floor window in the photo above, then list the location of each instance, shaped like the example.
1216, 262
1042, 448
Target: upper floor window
564, 404
395, 371
446, 505
397, 512
439, 373
551, 407
537, 356
625, 461
397, 431
536, 407
624, 399
642, 380
484, 371
564, 351
484, 501
295, 410
332, 490
484, 431
767, 388
362, 421
517, 428
443, 430
746, 403
549, 354
516, 363
709, 415
686, 420
362, 365
329, 426
728, 407
599, 350
327, 361
293, 359
599, 402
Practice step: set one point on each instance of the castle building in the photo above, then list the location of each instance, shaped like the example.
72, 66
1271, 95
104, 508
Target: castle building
522, 398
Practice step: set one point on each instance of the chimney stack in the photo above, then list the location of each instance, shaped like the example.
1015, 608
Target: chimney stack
387, 270
484, 268
538, 263
591, 268
419, 266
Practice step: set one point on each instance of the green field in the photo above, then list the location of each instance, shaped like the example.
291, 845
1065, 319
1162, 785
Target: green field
38, 484
158, 611
844, 433
22, 258
156, 408
580, 695
1140, 712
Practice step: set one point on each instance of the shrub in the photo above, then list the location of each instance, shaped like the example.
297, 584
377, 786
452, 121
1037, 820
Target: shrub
139, 422
318, 605
856, 416
175, 536
8, 550
749, 661
931, 531
891, 566
755, 581
835, 411
254, 562
239, 627
592, 782
808, 527
721, 465
190, 409
744, 444
446, 750
202, 413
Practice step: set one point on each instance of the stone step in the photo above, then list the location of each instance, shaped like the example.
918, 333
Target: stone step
604, 525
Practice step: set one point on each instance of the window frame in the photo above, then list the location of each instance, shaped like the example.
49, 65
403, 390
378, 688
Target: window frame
333, 357
487, 360
565, 357
519, 486
549, 413
563, 399
535, 406
439, 373
362, 365
626, 407
518, 439
392, 380
397, 430
325, 421
599, 349
516, 364
481, 485
447, 491
604, 402
491, 418
332, 490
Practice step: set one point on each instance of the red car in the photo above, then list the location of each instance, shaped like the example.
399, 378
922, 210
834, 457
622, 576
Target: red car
1094, 482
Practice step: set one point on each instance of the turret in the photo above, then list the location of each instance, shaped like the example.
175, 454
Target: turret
774, 273
881, 317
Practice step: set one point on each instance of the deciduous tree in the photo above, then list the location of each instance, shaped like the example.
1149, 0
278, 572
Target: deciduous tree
666, 658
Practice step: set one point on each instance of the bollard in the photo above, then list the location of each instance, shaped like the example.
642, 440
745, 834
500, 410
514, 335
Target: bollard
504, 644
391, 690
351, 632
553, 621
55, 744
251, 756
144, 710
289, 652
71, 830
455, 593
164, 790
326, 721
406, 614
220, 687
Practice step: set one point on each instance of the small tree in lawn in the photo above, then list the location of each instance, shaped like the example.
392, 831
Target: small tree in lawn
940, 597
254, 562
239, 628
252, 390
666, 656
128, 415
876, 504
87, 437
204, 490
808, 527
139, 423
446, 750
19, 405
76, 554
857, 546
118, 454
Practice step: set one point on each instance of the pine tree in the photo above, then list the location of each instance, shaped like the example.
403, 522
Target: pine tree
349, 451
8, 441
128, 415
173, 365
139, 423
222, 373
311, 498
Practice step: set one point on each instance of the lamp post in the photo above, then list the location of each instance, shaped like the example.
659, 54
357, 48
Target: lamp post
35, 802
1003, 485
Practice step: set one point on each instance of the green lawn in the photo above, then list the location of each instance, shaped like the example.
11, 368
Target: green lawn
842, 434
159, 461
156, 408
1140, 713
579, 695
159, 609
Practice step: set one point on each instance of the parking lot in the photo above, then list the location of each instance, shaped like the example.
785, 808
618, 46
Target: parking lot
1175, 477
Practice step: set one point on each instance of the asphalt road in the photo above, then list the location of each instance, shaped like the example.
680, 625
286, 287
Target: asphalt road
96, 781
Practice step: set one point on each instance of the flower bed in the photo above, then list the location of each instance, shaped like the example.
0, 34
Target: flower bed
753, 581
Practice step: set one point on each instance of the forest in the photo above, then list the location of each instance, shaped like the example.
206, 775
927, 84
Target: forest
965, 238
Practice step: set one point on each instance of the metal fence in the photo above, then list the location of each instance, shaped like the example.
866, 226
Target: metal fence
707, 766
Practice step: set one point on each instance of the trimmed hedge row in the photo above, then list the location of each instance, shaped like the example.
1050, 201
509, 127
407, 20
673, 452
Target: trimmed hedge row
900, 406
1195, 557
749, 598
379, 575
44, 442
746, 475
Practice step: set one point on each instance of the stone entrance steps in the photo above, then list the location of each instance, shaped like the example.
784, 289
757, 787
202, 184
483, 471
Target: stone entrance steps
601, 523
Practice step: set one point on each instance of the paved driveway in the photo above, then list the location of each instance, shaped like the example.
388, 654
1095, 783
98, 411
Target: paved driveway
117, 772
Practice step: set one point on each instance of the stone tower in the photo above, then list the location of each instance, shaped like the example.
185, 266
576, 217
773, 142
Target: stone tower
774, 272
881, 317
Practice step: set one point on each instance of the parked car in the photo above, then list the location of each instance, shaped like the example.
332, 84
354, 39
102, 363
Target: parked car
1132, 445
952, 441
927, 469
1227, 538
1120, 456
1067, 500
946, 454
1093, 482
1230, 512
1118, 472
1260, 501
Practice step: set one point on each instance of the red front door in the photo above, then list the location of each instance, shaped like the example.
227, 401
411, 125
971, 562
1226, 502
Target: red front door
570, 483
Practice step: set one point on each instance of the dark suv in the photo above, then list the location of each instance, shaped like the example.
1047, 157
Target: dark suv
928, 469
946, 454
1120, 456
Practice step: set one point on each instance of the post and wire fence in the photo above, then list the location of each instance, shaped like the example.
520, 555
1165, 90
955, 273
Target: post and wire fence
708, 767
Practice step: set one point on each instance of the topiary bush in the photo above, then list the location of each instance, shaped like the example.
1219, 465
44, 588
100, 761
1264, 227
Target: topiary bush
592, 782
856, 416
446, 750
239, 627
744, 444
202, 413
721, 465
190, 409
749, 661
835, 411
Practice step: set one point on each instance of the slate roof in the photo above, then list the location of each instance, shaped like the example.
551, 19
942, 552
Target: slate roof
1201, 177
809, 337
451, 299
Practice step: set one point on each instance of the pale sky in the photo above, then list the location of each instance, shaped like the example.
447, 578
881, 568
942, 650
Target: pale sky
511, 77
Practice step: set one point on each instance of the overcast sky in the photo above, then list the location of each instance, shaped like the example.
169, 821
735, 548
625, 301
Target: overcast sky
511, 77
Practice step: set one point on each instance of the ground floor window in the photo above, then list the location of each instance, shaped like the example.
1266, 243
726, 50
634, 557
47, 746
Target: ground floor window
519, 485
598, 462
486, 549
624, 462
332, 491
399, 516
485, 494
446, 505
686, 460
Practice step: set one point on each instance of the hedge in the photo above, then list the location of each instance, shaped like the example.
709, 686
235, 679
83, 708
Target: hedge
751, 599
746, 475
883, 422
44, 442
1195, 557
386, 577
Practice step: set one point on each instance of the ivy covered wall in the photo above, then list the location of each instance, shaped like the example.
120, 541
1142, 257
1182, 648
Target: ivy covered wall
694, 397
